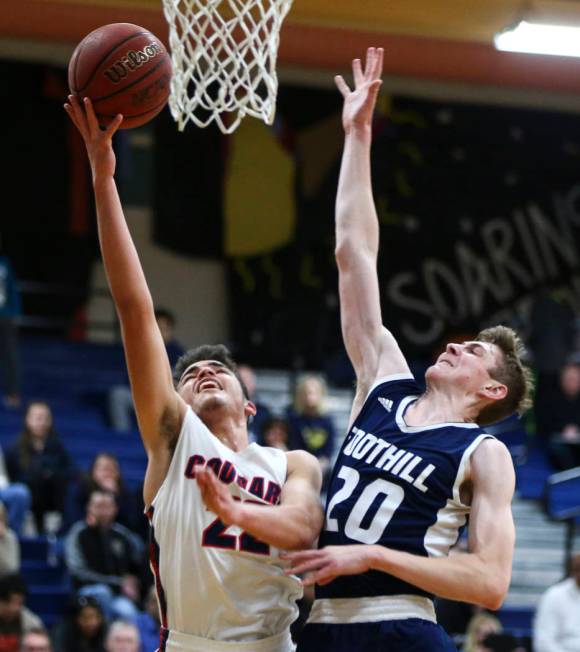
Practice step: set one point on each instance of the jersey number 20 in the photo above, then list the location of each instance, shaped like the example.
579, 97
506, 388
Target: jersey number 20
393, 496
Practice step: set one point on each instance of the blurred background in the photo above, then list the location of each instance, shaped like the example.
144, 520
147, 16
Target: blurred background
475, 173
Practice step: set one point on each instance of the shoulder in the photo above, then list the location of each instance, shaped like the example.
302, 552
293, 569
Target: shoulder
30, 620
403, 382
557, 591
491, 466
300, 460
302, 463
76, 530
490, 452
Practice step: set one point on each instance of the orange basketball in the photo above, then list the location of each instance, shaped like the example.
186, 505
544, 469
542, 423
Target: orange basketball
122, 68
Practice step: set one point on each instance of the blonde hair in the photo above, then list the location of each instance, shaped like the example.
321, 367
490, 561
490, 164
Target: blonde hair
471, 636
511, 372
300, 393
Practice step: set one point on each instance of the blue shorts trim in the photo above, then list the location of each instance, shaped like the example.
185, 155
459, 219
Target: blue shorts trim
411, 635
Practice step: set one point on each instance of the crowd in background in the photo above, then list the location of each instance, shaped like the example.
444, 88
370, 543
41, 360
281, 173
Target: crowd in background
102, 532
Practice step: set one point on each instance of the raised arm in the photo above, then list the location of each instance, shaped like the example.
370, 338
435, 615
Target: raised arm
157, 405
293, 524
372, 349
480, 576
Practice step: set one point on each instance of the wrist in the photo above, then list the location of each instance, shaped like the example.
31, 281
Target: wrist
239, 515
359, 132
376, 557
100, 179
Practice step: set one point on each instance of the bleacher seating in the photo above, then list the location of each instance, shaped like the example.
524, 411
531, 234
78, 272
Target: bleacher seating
74, 379
46, 578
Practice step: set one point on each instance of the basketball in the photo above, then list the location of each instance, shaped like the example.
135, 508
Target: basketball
122, 68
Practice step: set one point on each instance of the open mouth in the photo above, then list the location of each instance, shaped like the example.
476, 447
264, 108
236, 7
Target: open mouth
207, 385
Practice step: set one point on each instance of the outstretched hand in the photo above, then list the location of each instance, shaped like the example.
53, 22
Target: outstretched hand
98, 141
324, 565
359, 103
217, 497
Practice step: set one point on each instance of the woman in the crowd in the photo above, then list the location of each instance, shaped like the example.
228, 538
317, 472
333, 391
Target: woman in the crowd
311, 428
480, 626
84, 628
38, 459
105, 473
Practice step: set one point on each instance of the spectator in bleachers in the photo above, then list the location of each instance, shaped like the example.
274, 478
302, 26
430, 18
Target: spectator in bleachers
121, 408
15, 496
256, 425
36, 640
9, 350
311, 429
551, 340
557, 622
564, 424
123, 637
276, 433
105, 473
84, 629
9, 546
104, 558
39, 460
480, 626
15, 619
148, 623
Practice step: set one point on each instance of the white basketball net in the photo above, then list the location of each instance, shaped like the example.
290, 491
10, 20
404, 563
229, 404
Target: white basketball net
224, 60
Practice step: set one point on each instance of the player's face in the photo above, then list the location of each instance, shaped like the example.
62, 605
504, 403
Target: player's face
209, 385
466, 365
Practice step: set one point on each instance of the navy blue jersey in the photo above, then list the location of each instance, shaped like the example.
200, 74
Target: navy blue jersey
397, 486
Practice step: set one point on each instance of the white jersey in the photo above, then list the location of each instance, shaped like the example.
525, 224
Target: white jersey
218, 582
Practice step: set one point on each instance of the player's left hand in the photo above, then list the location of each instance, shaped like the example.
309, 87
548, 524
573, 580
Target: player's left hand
217, 497
324, 565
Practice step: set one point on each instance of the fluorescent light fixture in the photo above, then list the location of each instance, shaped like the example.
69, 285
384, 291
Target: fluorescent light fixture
540, 38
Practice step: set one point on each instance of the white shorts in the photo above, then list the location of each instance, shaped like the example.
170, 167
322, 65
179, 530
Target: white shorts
179, 642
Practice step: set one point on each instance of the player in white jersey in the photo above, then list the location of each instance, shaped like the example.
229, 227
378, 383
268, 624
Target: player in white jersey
220, 509
413, 466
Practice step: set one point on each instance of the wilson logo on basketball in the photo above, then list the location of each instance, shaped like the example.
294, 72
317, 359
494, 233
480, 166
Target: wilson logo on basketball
131, 61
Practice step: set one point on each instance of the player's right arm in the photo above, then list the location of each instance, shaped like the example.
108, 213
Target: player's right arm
159, 408
293, 524
372, 349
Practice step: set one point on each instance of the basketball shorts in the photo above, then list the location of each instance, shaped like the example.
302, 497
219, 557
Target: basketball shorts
410, 635
395, 623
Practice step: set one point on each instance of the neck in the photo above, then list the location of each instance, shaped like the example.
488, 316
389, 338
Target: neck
231, 432
440, 407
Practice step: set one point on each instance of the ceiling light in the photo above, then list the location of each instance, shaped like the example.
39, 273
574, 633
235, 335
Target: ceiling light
540, 38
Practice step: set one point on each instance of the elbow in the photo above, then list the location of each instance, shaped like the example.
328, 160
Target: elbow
342, 252
301, 541
493, 594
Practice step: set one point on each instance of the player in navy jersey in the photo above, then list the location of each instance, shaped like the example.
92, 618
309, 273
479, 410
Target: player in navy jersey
413, 466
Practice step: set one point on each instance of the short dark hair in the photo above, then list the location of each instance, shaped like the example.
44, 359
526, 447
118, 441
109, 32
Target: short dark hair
163, 313
510, 371
103, 492
218, 352
10, 585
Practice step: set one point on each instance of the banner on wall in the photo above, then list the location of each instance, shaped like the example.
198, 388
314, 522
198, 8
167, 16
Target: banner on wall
479, 208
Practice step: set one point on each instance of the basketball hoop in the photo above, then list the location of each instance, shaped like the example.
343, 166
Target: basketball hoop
224, 60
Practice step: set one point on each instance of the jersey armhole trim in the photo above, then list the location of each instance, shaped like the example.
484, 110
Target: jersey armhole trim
388, 379
467, 453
